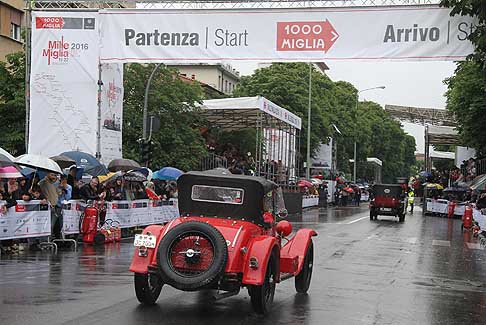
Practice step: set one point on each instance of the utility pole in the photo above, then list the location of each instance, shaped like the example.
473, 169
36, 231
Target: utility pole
307, 171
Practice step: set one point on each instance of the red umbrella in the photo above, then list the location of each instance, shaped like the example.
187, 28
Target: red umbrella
348, 189
305, 183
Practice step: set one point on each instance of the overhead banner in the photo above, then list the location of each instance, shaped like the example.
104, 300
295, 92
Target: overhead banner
316, 34
63, 83
111, 112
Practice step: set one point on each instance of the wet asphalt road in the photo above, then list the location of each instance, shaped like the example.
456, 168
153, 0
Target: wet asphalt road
424, 271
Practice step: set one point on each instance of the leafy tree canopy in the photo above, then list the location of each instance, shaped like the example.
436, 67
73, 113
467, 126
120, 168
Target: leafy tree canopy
466, 98
179, 142
12, 103
376, 133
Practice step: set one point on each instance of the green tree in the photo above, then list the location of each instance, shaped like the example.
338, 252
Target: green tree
466, 95
287, 85
179, 142
12, 103
383, 137
466, 99
376, 133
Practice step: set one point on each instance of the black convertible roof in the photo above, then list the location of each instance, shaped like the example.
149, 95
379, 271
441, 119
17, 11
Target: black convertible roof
251, 208
225, 175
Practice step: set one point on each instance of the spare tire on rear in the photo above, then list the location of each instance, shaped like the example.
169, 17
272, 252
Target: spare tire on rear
192, 256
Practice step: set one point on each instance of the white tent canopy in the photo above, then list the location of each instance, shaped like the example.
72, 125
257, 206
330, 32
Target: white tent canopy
242, 112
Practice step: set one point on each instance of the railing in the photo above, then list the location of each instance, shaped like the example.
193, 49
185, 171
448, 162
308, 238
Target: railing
471, 171
213, 161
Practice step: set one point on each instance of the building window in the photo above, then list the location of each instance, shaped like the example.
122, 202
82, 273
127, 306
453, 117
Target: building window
219, 83
193, 77
226, 86
15, 31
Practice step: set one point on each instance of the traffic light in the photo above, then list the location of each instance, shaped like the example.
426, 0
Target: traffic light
146, 149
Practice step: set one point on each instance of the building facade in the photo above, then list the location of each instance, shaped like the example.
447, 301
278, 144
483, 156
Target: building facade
219, 76
11, 23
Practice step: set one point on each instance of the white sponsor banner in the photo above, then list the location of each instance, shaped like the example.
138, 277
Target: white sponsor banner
164, 211
63, 84
311, 34
310, 201
125, 214
71, 212
111, 112
140, 214
323, 156
26, 219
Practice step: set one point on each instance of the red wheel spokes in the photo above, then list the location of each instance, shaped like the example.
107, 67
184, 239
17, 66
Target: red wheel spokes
191, 254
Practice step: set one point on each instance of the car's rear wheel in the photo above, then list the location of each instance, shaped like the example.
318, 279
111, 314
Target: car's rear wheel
261, 296
192, 256
303, 279
147, 288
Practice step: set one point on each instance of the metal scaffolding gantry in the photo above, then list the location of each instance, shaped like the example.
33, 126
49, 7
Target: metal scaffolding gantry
217, 4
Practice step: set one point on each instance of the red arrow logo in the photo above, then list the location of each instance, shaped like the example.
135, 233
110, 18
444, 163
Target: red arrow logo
49, 22
306, 36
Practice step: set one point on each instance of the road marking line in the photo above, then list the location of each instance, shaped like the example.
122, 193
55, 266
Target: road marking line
474, 246
411, 240
348, 223
445, 243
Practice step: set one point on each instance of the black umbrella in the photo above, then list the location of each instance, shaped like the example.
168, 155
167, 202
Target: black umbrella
63, 161
122, 165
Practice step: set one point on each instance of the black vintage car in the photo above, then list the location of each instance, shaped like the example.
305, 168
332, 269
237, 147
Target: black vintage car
388, 200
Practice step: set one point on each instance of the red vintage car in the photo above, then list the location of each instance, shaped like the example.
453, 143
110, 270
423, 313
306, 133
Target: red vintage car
388, 200
226, 238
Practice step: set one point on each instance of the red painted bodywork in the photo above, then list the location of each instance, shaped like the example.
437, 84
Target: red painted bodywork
386, 202
244, 240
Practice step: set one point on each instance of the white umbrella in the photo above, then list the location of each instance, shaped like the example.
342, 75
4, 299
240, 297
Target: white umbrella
39, 163
6, 159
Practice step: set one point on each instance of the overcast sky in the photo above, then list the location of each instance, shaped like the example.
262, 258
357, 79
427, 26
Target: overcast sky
418, 84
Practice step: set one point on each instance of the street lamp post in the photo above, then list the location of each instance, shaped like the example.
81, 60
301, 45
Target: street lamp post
356, 117
145, 101
307, 170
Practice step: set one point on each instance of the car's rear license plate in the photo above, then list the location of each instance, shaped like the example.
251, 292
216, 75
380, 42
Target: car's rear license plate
148, 241
386, 209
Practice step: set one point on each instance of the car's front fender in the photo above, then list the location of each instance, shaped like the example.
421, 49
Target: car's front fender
298, 245
261, 248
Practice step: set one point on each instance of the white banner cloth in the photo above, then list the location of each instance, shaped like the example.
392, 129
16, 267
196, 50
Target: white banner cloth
111, 112
26, 219
63, 83
310, 201
125, 214
310, 34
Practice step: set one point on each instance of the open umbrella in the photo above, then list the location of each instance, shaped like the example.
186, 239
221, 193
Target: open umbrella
167, 174
6, 159
39, 163
122, 165
10, 172
134, 176
305, 183
91, 166
63, 161
434, 186
348, 189
455, 189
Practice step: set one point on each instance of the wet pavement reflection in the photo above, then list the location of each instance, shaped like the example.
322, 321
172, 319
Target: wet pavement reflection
425, 270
